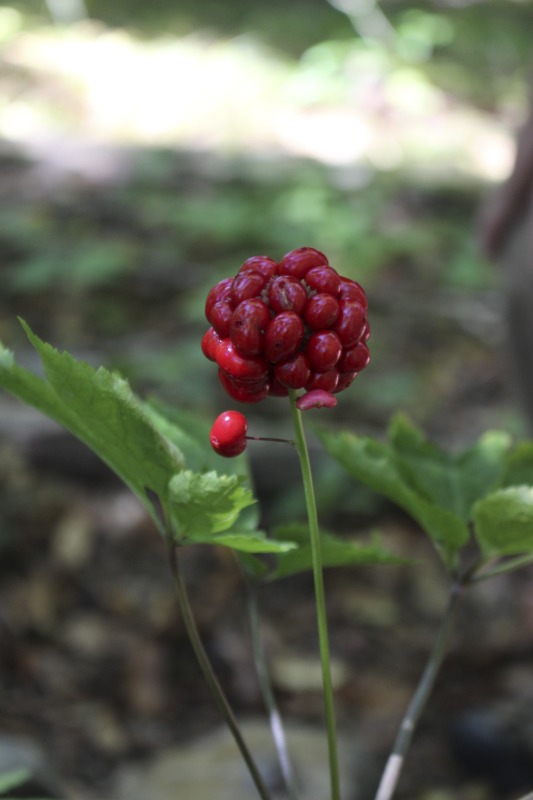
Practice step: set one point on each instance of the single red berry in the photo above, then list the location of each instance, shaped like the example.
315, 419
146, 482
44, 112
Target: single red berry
293, 373
323, 350
220, 292
322, 311
248, 325
228, 434
345, 380
244, 392
351, 290
354, 358
247, 285
350, 326
299, 261
247, 369
327, 381
219, 316
210, 343
324, 279
286, 293
263, 264
283, 336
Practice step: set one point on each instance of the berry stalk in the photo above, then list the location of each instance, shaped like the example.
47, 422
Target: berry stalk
320, 599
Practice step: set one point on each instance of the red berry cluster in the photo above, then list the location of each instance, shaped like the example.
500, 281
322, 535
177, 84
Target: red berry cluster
293, 325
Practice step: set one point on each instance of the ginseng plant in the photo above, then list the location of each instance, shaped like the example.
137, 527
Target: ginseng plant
295, 332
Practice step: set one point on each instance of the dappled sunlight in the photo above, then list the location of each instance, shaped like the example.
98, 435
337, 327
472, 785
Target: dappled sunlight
341, 103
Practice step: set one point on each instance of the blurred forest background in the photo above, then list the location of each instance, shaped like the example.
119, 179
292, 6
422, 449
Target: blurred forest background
148, 149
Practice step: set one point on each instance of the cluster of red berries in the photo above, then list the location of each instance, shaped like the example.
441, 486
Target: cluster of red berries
296, 324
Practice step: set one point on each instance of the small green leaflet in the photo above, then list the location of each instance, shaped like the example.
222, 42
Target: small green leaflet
504, 522
336, 552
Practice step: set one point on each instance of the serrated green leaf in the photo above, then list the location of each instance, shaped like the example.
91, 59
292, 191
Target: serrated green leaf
99, 408
376, 464
13, 778
452, 481
504, 522
336, 552
205, 504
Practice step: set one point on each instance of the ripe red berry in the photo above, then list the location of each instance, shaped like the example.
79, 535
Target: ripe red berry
355, 358
248, 325
323, 350
247, 369
321, 312
327, 381
351, 290
351, 323
277, 389
263, 264
283, 336
345, 380
244, 392
228, 434
299, 261
247, 285
221, 291
324, 279
210, 343
287, 294
219, 316
293, 373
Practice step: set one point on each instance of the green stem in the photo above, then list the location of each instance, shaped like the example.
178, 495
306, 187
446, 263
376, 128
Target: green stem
276, 723
208, 672
393, 768
502, 568
325, 659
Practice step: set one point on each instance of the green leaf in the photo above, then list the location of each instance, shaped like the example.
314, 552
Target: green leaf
504, 522
453, 482
99, 408
483, 465
251, 542
207, 503
13, 778
519, 466
205, 506
377, 465
336, 552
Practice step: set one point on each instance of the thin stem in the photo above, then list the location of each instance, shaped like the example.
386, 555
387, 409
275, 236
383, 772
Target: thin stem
320, 600
274, 716
393, 768
502, 568
208, 672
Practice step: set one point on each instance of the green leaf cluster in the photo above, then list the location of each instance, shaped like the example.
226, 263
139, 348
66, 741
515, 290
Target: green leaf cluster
485, 490
165, 460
